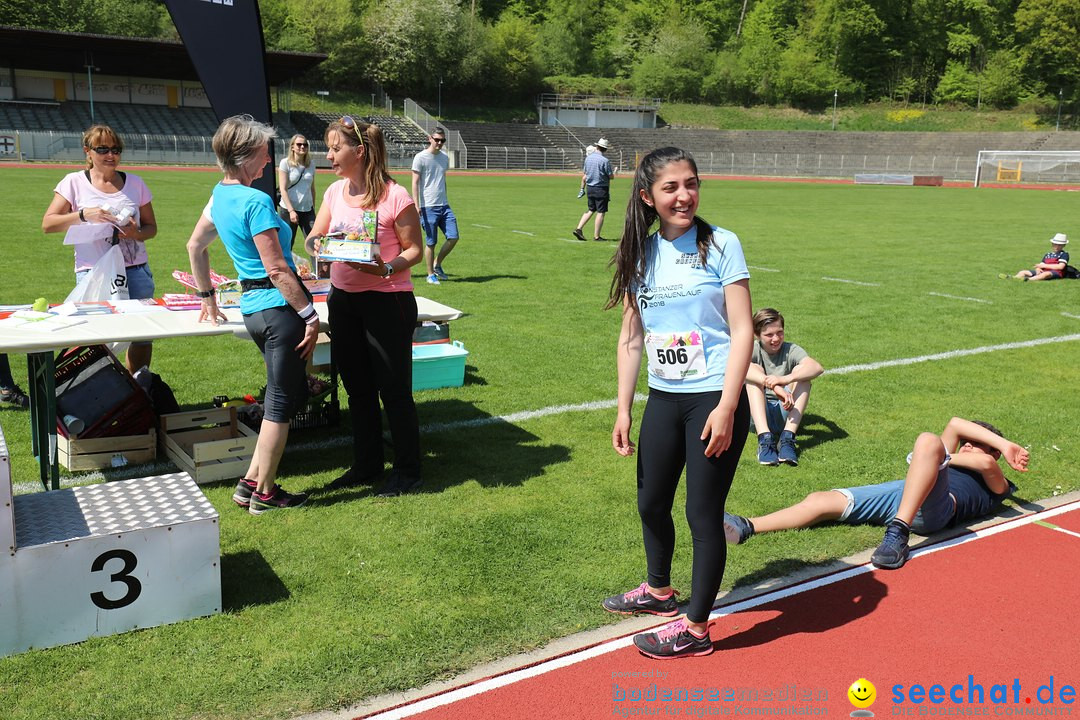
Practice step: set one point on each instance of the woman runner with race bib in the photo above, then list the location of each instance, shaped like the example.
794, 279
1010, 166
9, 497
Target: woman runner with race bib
685, 294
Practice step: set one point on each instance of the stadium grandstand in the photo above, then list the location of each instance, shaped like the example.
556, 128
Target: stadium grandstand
54, 85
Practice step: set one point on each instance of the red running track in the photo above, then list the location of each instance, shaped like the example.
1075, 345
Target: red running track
993, 612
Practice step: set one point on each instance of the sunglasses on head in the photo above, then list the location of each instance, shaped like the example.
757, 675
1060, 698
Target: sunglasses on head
103, 150
347, 121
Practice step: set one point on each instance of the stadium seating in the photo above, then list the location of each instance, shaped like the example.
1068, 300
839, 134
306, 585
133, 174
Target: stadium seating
160, 130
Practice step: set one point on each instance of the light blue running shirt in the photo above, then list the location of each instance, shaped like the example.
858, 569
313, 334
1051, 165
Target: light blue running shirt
682, 308
239, 214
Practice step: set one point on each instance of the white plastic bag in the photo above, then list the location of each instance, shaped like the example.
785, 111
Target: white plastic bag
106, 281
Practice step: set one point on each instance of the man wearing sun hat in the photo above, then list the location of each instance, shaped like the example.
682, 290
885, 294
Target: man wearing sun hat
1053, 263
597, 175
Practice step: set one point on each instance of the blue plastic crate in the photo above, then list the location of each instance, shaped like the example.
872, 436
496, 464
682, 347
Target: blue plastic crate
437, 366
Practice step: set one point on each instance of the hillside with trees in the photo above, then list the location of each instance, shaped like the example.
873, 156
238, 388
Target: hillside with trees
978, 53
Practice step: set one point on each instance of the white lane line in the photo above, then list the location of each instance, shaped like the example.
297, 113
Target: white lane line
1048, 526
574, 657
486, 227
846, 369
522, 232
525, 415
762, 269
1070, 315
851, 282
960, 297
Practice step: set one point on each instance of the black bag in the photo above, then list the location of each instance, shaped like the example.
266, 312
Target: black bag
161, 396
1072, 273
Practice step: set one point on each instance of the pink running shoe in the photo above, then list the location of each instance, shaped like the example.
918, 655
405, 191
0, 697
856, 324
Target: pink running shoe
640, 600
673, 641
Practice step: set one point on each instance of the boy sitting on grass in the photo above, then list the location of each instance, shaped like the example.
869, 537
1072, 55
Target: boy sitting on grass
951, 479
1053, 263
788, 368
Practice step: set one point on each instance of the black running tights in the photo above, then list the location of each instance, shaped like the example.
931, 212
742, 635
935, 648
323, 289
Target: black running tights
670, 440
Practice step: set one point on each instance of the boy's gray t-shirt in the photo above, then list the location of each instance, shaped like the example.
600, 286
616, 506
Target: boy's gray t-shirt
432, 169
783, 362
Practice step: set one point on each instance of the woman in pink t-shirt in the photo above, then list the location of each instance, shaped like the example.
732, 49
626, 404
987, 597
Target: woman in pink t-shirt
372, 306
114, 209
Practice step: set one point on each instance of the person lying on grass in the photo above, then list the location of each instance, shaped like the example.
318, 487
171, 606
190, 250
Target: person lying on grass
951, 478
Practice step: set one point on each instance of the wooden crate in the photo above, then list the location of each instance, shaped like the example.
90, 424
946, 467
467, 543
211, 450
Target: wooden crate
77, 453
208, 444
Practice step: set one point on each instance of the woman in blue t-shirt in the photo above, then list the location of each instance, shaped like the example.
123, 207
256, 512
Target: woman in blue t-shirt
685, 294
276, 306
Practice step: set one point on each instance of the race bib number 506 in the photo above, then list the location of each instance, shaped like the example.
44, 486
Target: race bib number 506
675, 356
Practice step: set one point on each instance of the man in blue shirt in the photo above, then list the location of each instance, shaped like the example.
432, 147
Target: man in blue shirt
598, 173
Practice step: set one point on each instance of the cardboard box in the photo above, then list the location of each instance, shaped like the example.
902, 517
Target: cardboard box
437, 366
319, 361
208, 444
77, 453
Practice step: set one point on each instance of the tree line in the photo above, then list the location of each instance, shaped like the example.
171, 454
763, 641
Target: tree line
796, 52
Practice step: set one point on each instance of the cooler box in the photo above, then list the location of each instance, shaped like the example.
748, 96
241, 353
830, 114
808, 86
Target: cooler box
440, 365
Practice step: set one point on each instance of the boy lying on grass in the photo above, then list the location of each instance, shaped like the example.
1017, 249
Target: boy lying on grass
951, 479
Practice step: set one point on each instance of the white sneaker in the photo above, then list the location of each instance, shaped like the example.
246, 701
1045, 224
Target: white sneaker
433, 279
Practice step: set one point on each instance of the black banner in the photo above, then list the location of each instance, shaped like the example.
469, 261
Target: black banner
225, 41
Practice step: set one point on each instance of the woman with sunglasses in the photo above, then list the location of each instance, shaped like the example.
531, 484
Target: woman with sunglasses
276, 306
296, 183
372, 307
117, 206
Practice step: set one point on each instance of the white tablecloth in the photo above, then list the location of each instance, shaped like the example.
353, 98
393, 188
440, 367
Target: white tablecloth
99, 329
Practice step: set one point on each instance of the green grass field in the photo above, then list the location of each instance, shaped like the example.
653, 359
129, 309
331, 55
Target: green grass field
524, 526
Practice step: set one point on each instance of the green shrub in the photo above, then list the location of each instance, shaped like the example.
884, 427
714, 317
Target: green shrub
957, 85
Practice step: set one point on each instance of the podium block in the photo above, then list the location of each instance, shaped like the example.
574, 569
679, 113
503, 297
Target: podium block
104, 559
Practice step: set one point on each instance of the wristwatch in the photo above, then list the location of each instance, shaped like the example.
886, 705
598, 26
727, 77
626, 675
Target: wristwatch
389, 270
204, 293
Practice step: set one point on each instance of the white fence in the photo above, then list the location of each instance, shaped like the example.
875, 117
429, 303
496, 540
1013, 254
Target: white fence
489, 157
180, 149
56, 146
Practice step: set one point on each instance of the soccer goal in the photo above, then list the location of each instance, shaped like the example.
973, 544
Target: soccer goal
1014, 166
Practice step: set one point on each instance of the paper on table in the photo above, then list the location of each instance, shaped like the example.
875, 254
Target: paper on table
44, 322
87, 232
130, 307
83, 308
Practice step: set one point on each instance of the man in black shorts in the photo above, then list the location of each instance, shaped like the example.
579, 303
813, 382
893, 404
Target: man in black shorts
598, 173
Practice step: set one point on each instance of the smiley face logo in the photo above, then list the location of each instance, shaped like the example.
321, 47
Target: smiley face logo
862, 693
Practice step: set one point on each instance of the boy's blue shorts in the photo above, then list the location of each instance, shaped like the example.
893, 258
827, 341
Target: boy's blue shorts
877, 504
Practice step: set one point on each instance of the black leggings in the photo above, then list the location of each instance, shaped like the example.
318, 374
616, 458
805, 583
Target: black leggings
669, 440
277, 331
6, 381
371, 339
305, 221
